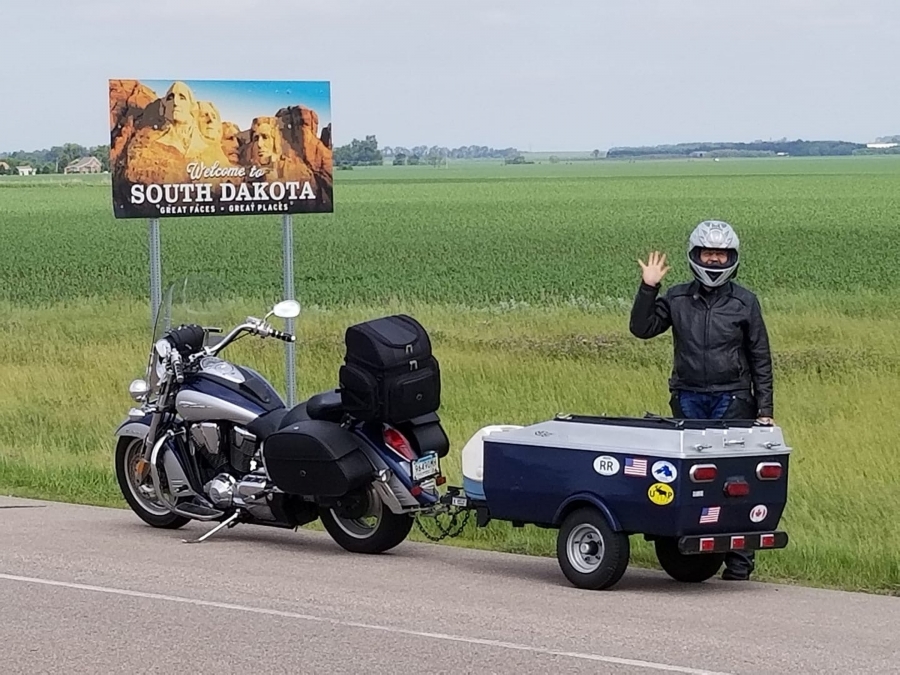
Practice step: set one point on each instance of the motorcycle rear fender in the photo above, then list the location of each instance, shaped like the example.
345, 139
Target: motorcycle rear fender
394, 494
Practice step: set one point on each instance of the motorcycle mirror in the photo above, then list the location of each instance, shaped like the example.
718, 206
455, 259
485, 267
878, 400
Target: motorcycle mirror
287, 309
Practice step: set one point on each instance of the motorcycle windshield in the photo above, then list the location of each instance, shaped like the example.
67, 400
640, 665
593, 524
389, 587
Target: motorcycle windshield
162, 320
192, 299
161, 323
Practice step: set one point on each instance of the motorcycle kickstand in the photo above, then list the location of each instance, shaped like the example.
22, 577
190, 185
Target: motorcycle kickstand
229, 522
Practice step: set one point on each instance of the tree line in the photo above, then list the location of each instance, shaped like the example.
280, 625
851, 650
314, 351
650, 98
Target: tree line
367, 153
55, 159
796, 148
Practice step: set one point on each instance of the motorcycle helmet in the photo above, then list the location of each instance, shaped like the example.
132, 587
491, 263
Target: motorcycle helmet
713, 234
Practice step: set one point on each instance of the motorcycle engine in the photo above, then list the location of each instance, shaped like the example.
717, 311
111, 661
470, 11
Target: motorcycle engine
207, 438
225, 491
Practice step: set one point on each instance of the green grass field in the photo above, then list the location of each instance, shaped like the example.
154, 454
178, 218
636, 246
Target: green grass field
524, 276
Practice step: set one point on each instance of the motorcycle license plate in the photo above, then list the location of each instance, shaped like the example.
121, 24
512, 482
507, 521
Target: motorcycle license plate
425, 467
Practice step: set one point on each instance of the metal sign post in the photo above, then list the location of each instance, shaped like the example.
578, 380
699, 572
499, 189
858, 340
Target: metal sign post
287, 227
155, 272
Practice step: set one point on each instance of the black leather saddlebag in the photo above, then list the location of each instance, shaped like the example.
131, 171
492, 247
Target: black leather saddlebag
316, 458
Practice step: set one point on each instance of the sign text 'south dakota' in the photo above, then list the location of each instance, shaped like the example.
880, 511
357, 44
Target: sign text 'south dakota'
188, 193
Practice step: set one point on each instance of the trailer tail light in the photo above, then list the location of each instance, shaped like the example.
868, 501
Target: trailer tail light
703, 473
737, 543
737, 488
398, 443
766, 540
768, 470
707, 544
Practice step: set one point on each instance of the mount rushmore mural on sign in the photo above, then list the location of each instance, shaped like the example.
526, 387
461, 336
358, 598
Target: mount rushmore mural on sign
212, 147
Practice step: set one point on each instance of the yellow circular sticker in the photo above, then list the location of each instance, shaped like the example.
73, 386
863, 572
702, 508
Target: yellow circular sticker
661, 494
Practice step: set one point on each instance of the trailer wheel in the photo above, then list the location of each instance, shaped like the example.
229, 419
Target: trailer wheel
589, 552
691, 569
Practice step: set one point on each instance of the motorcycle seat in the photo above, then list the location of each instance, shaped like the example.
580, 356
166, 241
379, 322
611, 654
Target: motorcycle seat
326, 406
266, 425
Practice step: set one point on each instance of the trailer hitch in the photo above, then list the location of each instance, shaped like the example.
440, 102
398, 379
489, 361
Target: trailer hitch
452, 504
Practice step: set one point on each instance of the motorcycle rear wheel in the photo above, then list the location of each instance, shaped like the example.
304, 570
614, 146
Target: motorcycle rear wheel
138, 492
347, 527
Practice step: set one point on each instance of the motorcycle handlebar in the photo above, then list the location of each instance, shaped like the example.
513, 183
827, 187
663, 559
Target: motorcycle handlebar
177, 367
254, 326
286, 337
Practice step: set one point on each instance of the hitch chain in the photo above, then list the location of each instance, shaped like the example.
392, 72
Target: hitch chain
445, 532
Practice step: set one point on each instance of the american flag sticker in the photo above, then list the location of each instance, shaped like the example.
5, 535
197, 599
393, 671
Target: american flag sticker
710, 514
635, 467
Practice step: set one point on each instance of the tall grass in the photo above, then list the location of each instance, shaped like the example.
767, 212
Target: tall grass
66, 390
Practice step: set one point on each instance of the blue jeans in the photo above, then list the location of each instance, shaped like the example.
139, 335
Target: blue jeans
696, 405
703, 406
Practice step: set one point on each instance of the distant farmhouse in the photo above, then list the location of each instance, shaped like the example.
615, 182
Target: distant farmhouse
26, 170
84, 165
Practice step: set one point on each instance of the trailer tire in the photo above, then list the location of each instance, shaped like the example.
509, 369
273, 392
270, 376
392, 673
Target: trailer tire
590, 553
691, 569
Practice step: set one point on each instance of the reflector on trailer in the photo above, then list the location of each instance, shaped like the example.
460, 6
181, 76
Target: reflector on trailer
707, 544
766, 540
768, 470
737, 488
737, 542
703, 473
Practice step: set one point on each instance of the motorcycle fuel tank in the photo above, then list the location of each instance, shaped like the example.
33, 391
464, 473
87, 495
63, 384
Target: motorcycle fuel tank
221, 391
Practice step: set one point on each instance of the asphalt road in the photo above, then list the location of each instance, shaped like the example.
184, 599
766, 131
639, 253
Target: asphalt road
90, 590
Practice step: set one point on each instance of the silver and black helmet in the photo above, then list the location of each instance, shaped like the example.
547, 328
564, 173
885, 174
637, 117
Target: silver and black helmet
714, 234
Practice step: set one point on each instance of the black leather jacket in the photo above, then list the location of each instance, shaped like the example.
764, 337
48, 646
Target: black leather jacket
720, 338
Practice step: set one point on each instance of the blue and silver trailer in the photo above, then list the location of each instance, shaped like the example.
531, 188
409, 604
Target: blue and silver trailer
696, 488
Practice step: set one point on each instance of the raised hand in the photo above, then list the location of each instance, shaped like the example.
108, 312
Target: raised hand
654, 270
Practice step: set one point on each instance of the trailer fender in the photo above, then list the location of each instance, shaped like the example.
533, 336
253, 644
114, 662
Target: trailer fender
586, 499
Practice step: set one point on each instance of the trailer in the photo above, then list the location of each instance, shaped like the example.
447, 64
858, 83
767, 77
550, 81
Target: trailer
696, 488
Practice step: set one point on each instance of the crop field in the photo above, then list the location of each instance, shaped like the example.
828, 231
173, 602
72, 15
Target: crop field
524, 276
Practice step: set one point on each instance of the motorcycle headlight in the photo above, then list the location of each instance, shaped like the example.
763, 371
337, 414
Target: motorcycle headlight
156, 370
138, 389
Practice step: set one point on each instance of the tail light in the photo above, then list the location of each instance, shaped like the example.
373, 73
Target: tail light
737, 542
398, 443
708, 544
737, 488
768, 470
703, 473
766, 540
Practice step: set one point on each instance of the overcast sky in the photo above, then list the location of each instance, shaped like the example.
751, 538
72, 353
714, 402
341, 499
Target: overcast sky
562, 75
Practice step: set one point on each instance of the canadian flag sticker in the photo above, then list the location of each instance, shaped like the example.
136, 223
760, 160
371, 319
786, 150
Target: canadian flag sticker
758, 513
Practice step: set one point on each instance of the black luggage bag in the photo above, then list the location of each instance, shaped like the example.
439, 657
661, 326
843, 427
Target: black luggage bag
389, 373
317, 458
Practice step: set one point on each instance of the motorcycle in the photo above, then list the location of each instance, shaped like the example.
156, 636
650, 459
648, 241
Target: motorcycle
212, 440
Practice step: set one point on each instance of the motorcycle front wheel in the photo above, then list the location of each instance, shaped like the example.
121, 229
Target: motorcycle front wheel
136, 485
364, 524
